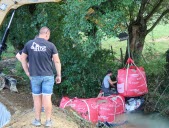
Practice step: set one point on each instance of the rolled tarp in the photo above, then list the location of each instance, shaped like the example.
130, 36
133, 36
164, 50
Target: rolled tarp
5, 115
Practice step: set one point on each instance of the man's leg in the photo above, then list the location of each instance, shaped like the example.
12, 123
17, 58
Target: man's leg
48, 106
36, 84
47, 91
106, 92
37, 105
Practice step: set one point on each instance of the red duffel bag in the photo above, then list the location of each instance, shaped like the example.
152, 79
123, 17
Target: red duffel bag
86, 108
131, 80
64, 102
106, 109
120, 103
109, 107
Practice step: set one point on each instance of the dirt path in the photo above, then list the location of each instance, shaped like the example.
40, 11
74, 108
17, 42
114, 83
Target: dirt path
16, 102
59, 120
20, 105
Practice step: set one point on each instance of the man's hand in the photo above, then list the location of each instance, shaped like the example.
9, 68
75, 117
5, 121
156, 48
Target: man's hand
27, 73
58, 79
57, 63
25, 64
114, 82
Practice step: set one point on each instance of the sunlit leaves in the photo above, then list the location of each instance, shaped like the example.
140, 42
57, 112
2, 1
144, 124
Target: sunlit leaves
76, 17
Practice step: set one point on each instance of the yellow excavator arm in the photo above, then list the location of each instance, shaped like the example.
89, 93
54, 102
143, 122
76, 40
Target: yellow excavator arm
7, 5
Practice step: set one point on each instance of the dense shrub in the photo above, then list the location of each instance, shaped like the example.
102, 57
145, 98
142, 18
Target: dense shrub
158, 83
82, 75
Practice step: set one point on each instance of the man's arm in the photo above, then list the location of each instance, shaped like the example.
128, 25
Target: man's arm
112, 82
18, 56
24, 63
57, 63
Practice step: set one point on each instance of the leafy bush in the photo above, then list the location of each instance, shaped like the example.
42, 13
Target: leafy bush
82, 75
22, 78
157, 80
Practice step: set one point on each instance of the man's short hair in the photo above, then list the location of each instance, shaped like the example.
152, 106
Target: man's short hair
109, 71
44, 30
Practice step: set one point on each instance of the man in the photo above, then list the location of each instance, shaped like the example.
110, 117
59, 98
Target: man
107, 83
40, 53
18, 56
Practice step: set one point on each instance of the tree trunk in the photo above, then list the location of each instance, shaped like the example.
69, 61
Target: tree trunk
137, 34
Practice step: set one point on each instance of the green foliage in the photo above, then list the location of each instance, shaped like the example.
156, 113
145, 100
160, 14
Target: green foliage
21, 76
76, 17
21, 29
30, 18
157, 75
155, 67
9, 53
78, 25
82, 75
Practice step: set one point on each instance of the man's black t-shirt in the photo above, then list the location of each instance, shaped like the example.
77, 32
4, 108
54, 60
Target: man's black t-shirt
20, 52
40, 52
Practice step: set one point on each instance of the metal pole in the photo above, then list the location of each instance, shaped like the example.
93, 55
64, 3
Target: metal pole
3, 41
122, 57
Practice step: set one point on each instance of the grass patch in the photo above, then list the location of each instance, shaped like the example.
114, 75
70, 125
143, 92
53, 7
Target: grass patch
158, 32
157, 40
115, 44
160, 47
9, 53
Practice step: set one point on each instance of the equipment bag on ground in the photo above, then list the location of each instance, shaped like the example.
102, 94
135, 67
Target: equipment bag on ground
96, 109
86, 108
109, 107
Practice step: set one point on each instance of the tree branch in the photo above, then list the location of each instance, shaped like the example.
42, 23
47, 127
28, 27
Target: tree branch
157, 5
130, 14
158, 20
142, 8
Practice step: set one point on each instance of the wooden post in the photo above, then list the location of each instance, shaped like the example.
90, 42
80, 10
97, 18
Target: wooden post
122, 60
